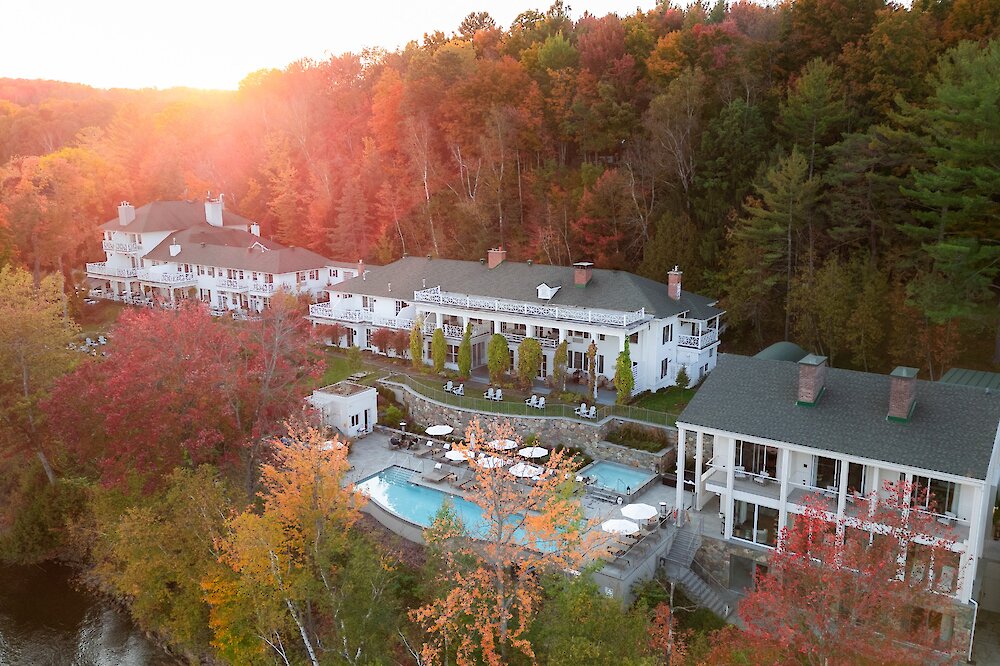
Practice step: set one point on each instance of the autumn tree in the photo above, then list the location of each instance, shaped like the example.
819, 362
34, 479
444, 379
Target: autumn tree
35, 337
492, 588
381, 339
497, 358
624, 377
439, 350
529, 361
871, 586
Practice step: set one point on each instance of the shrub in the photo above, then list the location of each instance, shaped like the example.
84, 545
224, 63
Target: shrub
559, 361
529, 361
439, 350
465, 353
637, 437
392, 416
683, 381
417, 344
624, 379
497, 357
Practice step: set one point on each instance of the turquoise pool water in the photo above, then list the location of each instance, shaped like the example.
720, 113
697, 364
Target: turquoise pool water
618, 478
393, 489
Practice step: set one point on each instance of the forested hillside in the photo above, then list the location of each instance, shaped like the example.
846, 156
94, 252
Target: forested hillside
830, 168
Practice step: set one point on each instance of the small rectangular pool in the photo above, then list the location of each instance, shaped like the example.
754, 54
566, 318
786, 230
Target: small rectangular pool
617, 478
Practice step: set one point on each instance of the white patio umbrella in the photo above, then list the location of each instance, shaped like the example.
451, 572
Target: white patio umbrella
639, 511
439, 430
619, 526
533, 452
457, 456
491, 462
524, 469
503, 444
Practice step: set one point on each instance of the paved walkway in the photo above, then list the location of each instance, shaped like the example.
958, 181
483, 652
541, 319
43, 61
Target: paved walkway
986, 648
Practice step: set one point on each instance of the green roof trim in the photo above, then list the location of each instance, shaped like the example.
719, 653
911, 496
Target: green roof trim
973, 378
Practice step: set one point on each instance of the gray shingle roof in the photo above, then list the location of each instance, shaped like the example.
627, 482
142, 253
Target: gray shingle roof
234, 248
952, 429
607, 290
172, 216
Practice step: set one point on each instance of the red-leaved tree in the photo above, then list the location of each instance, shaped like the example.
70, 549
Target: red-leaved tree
862, 591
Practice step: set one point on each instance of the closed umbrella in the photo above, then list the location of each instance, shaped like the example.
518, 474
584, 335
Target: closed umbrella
639, 511
524, 469
619, 526
491, 462
457, 456
503, 444
439, 430
533, 452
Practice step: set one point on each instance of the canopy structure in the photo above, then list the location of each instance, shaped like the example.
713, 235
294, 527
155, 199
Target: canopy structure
524, 470
619, 526
491, 462
533, 452
439, 430
503, 444
457, 456
639, 511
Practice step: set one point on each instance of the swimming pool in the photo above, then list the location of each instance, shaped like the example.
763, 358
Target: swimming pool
619, 478
394, 490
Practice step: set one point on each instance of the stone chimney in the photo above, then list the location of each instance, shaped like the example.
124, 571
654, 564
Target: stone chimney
175, 249
812, 380
674, 283
582, 272
255, 229
126, 213
213, 210
902, 394
495, 257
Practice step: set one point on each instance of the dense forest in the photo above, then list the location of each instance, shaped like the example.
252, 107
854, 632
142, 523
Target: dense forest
829, 168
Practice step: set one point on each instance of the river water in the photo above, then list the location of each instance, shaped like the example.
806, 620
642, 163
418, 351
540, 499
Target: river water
46, 620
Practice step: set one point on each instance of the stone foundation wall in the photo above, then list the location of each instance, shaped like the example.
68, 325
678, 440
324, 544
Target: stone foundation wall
714, 556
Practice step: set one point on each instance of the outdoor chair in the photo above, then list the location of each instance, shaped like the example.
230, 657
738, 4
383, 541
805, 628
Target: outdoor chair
489, 393
592, 414
541, 403
532, 401
449, 386
499, 395
90, 343
740, 472
102, 340
460, 390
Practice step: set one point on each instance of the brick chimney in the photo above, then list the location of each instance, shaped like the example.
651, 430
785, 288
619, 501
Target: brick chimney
902, 394
126, 213
812, 380
495, 257
674, 283
582, 272
361, 268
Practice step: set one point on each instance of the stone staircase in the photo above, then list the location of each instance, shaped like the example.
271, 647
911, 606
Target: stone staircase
678, 562
605, 495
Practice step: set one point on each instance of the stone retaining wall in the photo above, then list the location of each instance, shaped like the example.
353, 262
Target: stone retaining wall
587, 436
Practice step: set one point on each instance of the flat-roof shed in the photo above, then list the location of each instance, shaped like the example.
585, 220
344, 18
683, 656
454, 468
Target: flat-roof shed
349, 407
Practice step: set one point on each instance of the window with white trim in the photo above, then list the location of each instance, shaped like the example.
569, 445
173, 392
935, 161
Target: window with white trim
668, 333
314, 275
663, 368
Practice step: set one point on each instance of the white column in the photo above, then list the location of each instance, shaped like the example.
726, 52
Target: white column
439, 319
726, 501
842, 491
562, 335
621, 342
699, 457
681, 453
529, 330
968, 562
786, 469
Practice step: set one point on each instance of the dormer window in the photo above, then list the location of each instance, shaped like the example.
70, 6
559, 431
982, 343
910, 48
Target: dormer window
545, 292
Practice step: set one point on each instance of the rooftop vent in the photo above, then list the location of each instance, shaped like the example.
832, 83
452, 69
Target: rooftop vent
812, 380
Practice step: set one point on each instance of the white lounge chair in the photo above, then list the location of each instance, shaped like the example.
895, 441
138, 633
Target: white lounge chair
499, 395
460, 390
592, 414
450, 386
90, 343
581, 410
489, 394
102, 340
532, 401
740, 472
541, 403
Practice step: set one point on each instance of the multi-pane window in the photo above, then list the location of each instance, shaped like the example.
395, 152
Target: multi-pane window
934, 494
668, 333
334, 273
663, 368
314, 275
368, 303
355, 419
268, 278
399, 306
634, 338
757, 458
211, 272
300, 277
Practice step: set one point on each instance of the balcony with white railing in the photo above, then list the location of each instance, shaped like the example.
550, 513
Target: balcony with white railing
165, 277
102, 268
517, 338
266, 288
744, 481
698, 341
328, 310
230, 284
119, 246
455, 332
579, 315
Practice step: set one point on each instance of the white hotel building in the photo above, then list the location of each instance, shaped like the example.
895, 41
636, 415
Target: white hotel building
764, 435
166, 251
667, 328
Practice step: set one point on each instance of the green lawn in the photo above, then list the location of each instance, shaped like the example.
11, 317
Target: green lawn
672, 400
99, 318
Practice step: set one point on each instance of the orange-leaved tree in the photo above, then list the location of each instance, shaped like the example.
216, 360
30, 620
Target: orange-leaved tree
295, 586
490, 576
871, 588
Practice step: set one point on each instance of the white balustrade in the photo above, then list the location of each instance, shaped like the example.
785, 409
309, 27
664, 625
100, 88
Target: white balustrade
164, 277
603, 317
101, 268
698, 341
119, 246
263, 287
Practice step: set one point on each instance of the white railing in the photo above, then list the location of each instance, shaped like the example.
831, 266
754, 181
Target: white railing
517, 338
101, 268
326, 310
391, 322
607, 318
166, 277
452, 331
118, 246
698, 341
229, 283
262, 287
